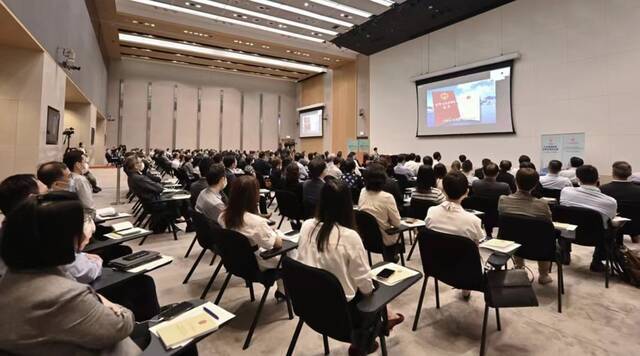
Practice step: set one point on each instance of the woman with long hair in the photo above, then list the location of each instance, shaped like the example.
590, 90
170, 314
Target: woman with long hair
330, 242
242, 215
426, 186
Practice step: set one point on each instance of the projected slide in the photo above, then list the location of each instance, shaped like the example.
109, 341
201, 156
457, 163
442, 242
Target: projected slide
470, 102
311, 123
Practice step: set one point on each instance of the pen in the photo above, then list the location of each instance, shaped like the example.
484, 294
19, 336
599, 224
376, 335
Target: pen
208, 311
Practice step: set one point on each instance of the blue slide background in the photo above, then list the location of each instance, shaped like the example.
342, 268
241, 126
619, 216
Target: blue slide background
486, 89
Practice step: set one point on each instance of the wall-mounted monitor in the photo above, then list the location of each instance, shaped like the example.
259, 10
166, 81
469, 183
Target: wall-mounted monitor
311, 122
53, 126
472, 101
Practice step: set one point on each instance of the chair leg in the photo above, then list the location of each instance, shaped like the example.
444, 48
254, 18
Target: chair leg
193, 268
413, 246
606, 273
174, 229
498, 319
484, 330
288, 301
325, 341
561, 277
281, 220
437, 294
247, 342
213, 278
383, 345
143, 239
369, 255
417, 317
402, 256
559, 288
224, 286
294, 339
213, 259
253, 297
193, 242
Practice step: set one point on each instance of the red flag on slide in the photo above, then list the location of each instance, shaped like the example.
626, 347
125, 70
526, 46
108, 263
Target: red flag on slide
445, 106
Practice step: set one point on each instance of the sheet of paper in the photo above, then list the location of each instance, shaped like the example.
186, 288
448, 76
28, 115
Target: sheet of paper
223, 317
106, 211
500, 246
122, 226
400, 274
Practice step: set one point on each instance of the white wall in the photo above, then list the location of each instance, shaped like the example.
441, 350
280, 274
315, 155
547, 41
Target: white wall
163, 78
578, 72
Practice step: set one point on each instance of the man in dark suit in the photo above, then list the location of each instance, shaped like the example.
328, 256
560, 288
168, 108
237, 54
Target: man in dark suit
140, 184
505, 177
230, 164
488, 187
261, 166
625, 193
479, 173
201, 184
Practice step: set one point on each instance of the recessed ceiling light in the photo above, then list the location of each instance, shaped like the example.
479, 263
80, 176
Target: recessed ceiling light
345, 8
192, 4
225, 19
239, 10
303, 12
384, 2
139, 40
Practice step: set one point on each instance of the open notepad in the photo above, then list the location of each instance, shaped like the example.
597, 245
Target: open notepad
123, 229
196, 322
151, 265
503, 246
400, 273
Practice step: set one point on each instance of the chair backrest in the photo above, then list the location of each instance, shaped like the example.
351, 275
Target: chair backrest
631, 211
206, 230
419, 207
238, 255
489, 206
454, 260
537, 237
289, 205
318, 299
369, 231
551, 193
590, 229
403, 181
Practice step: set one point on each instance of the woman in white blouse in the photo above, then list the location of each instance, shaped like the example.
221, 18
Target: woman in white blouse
242, 215
330, 242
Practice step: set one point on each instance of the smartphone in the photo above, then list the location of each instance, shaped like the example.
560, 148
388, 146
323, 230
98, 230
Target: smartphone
385, 273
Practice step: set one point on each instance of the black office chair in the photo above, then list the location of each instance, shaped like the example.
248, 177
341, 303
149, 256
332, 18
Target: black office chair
289, 206
318, 300
369, 231
403, 181
207, 232
551, 193
239, 260
418, 209
488, 206
455, 260
538, 240
590, 231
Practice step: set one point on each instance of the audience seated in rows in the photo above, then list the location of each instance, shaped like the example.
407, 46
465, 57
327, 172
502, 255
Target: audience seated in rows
553, 180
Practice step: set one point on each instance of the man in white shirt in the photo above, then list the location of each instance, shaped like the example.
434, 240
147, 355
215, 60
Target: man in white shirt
570, 172
402, 169
333, 166
76, 161
412, 164
211, 201
589, 196
451, 218
552, 180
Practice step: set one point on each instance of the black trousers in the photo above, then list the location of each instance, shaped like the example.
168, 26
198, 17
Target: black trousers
366, 326
137, 294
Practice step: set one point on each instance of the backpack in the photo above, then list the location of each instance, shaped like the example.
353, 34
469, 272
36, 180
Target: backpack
626, 263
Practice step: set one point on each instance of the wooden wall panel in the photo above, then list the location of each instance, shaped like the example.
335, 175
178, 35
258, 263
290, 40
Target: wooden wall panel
161, 115
344, 106
312, 92
134, 113
251, 123
231, 119
270, 121
210, 118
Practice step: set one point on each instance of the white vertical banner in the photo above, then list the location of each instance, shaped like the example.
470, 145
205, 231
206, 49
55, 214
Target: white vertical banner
561, 147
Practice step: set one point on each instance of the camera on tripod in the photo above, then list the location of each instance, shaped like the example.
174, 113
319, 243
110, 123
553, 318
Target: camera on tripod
68, 132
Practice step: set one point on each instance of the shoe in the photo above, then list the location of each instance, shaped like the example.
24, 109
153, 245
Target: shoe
566, 259
465, 294
190, 228
392, 323
546, 279
635, 239
355, 351
597, 266
97, 190
280, 297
